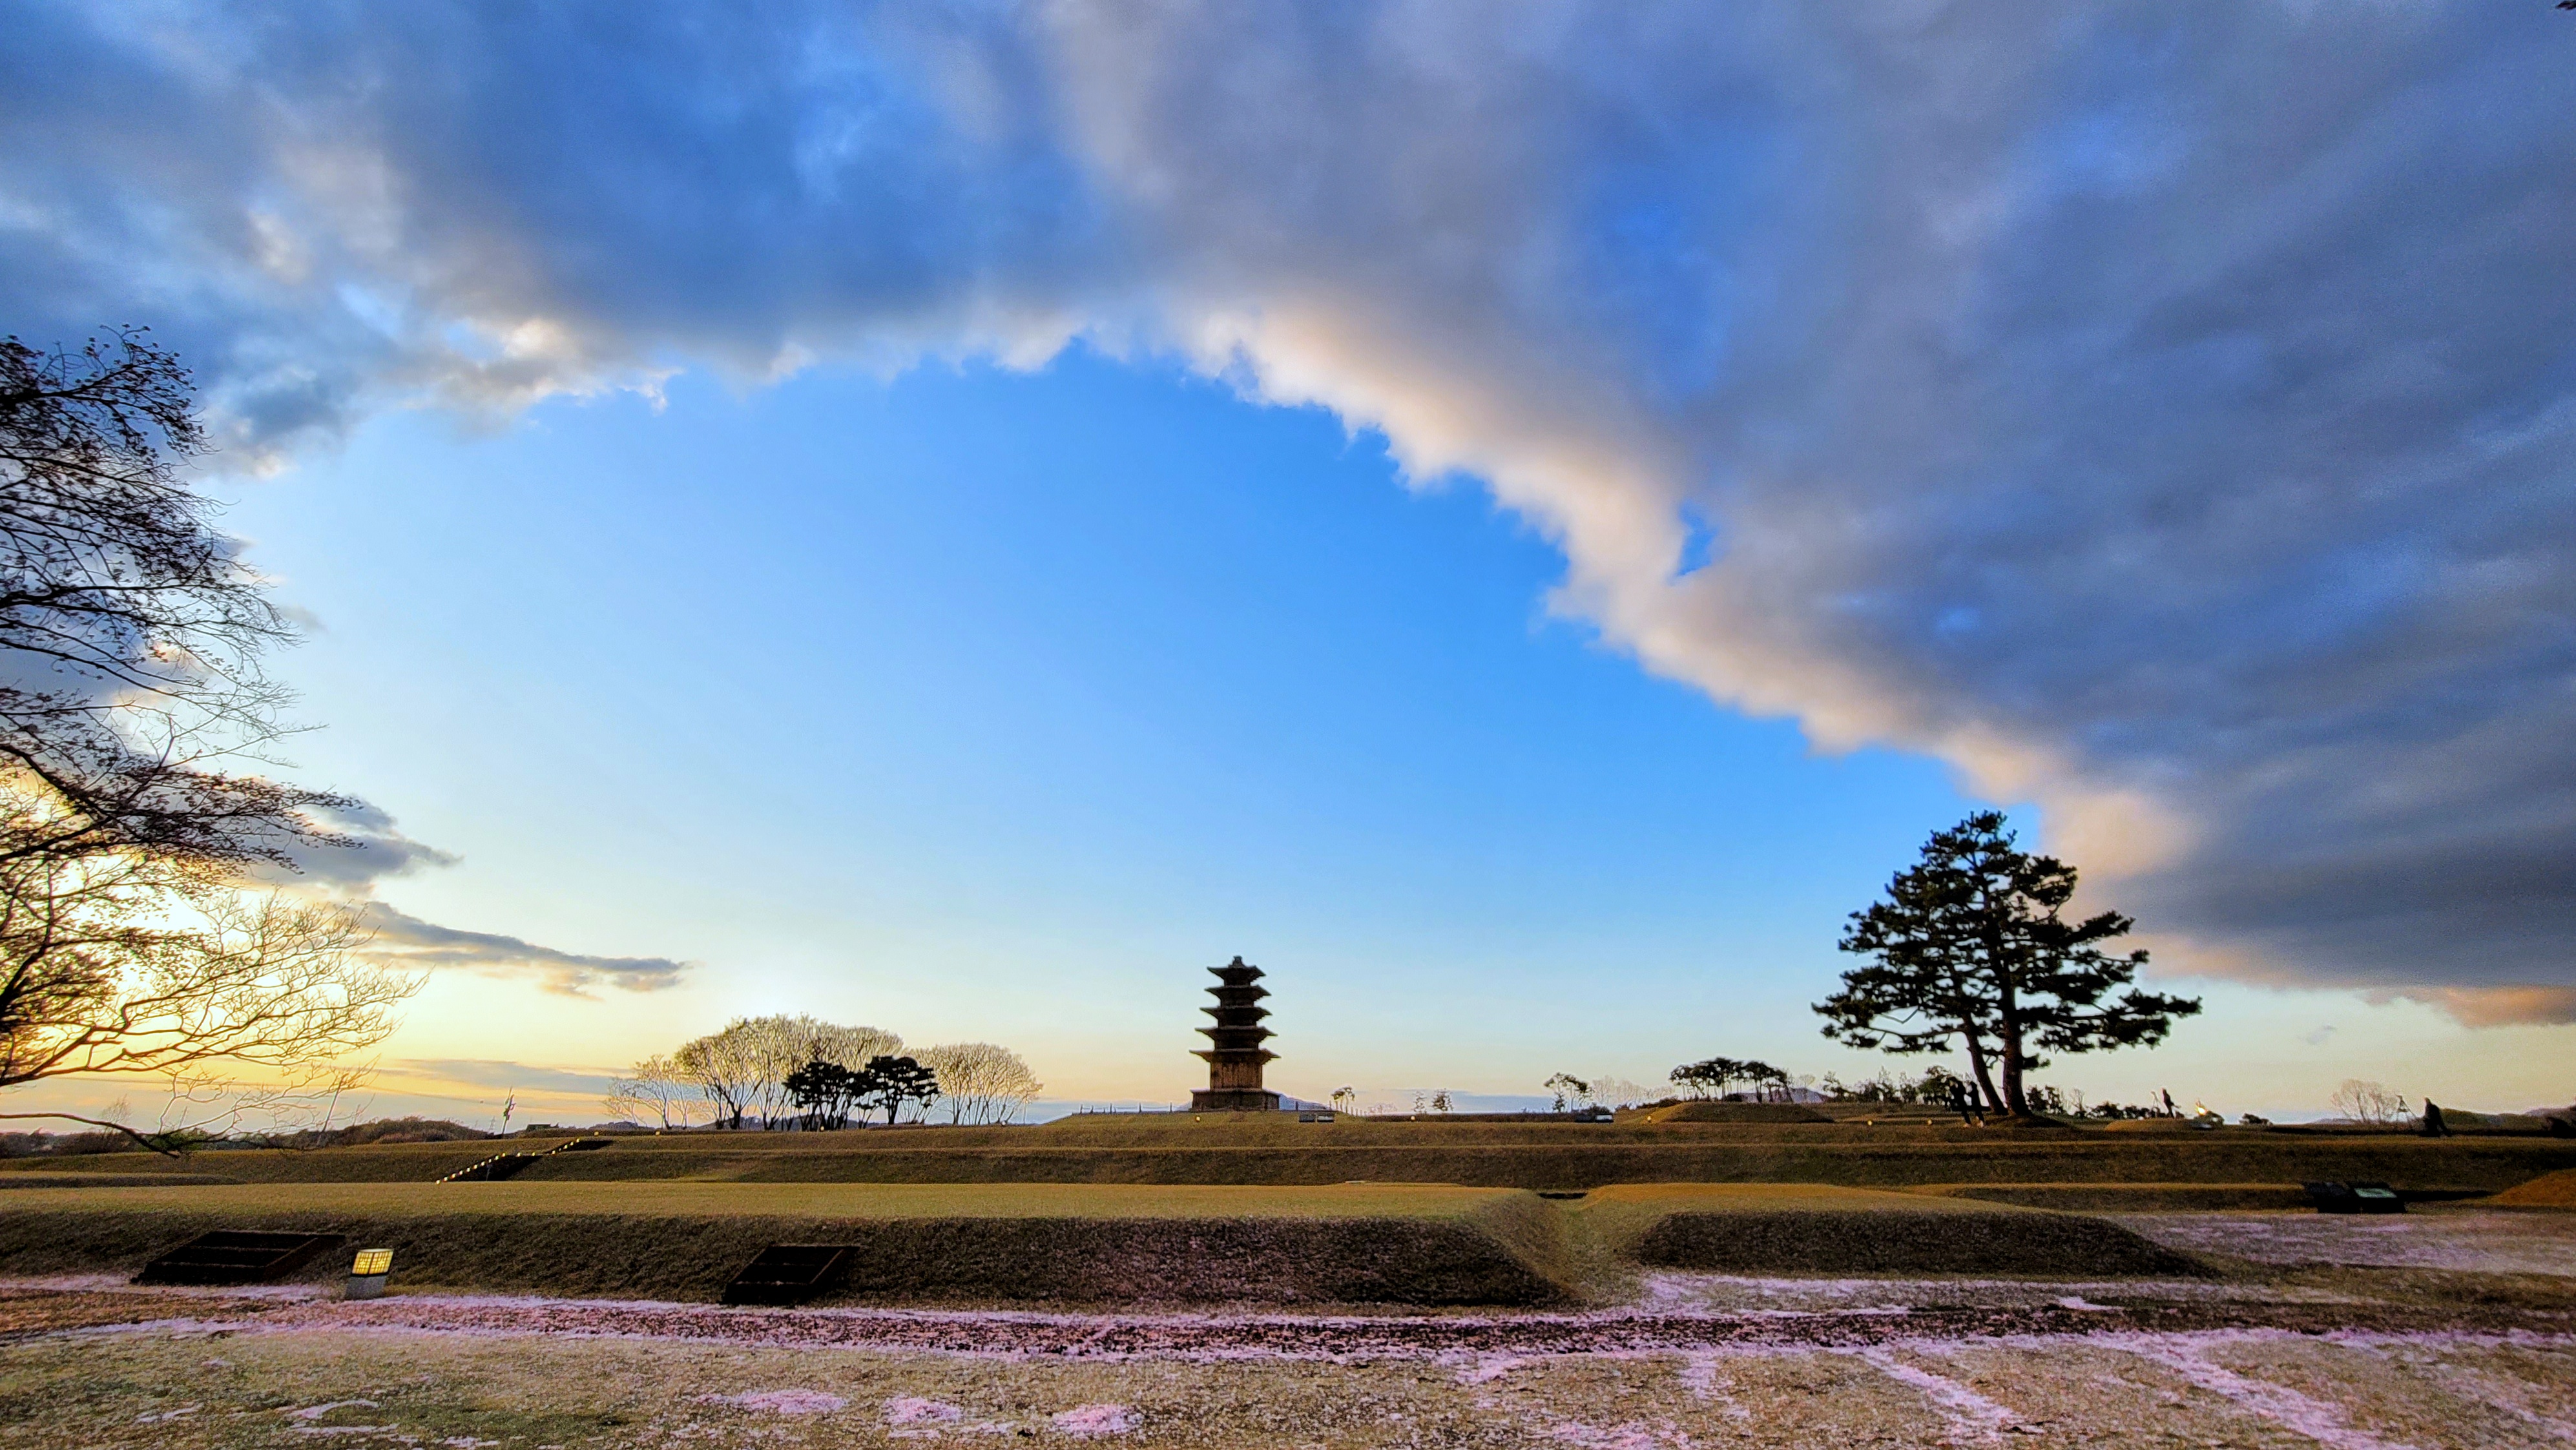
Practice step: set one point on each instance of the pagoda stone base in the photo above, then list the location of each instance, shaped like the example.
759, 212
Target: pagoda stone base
1235, 1100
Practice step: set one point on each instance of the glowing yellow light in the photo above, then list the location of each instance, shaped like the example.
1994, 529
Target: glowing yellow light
373, 1261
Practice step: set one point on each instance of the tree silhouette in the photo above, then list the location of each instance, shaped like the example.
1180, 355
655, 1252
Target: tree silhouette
1971, 944
891, 1082
1568, 1088
130, 630
824, 1092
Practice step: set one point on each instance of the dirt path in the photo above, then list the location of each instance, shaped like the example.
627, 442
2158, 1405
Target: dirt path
1700, 1361
34, 1308
497, 1375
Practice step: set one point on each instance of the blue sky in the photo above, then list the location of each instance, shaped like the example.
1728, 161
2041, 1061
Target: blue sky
1058, 681
983, 703
958, 518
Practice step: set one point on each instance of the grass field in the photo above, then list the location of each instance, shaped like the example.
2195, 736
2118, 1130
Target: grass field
1247, 1150
1238, 1208
1414, 1245
2129, 1197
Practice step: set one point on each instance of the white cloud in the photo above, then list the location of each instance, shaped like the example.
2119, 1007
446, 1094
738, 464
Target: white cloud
375, 850
404, 940
2162, 414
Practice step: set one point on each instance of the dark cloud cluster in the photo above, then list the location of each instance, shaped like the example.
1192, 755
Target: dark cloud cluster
2167, 414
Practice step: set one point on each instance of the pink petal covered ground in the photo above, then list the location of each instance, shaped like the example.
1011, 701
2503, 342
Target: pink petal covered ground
781, 1402
1091, 1420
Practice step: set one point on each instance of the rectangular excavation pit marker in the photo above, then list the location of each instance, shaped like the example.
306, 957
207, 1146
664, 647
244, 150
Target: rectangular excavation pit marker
788, 1274
236, 1256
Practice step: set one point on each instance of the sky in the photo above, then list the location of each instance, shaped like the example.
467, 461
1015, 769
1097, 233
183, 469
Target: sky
1514, 519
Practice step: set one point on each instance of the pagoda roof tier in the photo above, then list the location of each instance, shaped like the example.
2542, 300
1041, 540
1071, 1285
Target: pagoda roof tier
1240, 1011
1235, 973
1236, 1055
1236, 1037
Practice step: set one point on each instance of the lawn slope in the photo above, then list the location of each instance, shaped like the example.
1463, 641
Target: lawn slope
1763, 1228
1276, 1149
1037, 1242
2550, 1190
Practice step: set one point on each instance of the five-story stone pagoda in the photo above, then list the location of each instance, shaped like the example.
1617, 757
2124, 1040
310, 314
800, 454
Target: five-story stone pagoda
1235, 1054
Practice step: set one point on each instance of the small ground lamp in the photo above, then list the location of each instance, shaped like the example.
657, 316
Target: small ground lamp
368, 1273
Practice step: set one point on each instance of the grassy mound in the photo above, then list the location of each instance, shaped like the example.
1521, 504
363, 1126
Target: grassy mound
1249, 1149
2550, 1190
1815, 1229
2127, 1197
1733, 1113
1414, 1245
111, 1180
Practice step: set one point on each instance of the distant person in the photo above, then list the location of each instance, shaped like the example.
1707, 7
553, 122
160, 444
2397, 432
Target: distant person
2170, 1110
1964, 1105
2434, 1127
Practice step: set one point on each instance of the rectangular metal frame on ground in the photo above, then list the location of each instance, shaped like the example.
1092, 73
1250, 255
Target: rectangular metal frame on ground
788, 1274
236, 1256
2357, 1197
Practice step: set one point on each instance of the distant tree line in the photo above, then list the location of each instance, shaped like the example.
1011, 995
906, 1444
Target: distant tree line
1716, 1077
1603, 1090
782, 1071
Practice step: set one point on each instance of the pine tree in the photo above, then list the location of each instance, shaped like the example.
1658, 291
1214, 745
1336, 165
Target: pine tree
1971, 944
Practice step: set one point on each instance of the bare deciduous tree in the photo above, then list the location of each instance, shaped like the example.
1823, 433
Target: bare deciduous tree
131, 693
2368, 1102
130, 631
656, 1088
743, 1069
850, 1047
726, 1067
1610, 1090
248, 1002
981, 1082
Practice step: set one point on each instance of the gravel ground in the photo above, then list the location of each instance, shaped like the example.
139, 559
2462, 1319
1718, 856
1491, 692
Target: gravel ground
201, 1388
2457, 1342
2493, 1241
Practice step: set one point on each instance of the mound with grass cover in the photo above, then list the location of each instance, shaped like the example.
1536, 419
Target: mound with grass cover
1032, 1242
2130, 1197
111, 1180
1274, 1148
2550, 1190
1762, 1228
